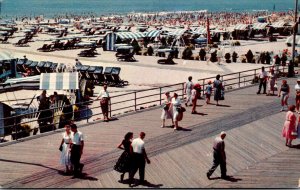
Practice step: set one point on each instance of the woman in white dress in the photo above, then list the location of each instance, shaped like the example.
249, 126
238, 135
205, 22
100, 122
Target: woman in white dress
176, 106
166, 111
65, 149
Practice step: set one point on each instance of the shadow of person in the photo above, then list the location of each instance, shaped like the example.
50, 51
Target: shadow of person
297, 146
85, 176
203, 114
221, 105
232, 179
183, 129
148, 184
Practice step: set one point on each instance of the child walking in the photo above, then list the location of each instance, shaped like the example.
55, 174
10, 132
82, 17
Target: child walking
208, 91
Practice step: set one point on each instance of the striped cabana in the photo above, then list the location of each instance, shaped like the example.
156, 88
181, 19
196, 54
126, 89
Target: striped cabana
241, 27
200, 30
279, 24
153, 33
110, 41
178, 32
59, 81
259, 26
130, 35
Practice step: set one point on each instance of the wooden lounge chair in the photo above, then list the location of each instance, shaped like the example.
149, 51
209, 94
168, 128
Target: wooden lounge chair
22, 43
4, 40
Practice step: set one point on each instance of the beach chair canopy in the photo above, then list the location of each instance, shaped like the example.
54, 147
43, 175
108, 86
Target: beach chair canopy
241, 27
24, 79
279, 24
153, 33
130, 35
177, 32
200, 30
289, 40
59, 81
259, 26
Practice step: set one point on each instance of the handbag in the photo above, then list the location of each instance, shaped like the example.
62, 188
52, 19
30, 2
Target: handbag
60, 148
166, 107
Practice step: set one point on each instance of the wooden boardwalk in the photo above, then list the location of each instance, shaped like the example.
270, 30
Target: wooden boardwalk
255, 149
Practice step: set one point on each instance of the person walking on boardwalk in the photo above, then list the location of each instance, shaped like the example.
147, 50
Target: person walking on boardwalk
76, 149
289, 126
65, 149
208, 91
219, 56
138, 159
123, 164
218, 87
283, 93
219, 156
104, 95
297, 89
166, 111
271, 83
195, 93
188, 91
176, 110
262, 76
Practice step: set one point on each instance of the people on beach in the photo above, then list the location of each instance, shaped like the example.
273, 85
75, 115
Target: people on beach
104, 101
218, 87
77, 63
166, 111
297, 89
262, 76
124, 162
208, 92
283, 93
76, 150
65, 148
188, 91
289, 127
219, 156
139, 158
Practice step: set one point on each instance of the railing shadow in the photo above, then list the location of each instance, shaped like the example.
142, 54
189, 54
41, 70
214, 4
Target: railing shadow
28, 163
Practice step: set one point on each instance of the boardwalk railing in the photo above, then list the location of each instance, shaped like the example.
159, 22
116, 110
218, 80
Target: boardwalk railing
124, 103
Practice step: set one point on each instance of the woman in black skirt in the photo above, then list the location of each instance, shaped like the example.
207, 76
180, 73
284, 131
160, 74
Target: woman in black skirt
123, 164
218, 89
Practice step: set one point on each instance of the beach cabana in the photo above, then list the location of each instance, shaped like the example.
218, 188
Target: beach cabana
59, 81
241, 27
153, 33
279, 24
200, 30
130, 35
259, 26
177, 32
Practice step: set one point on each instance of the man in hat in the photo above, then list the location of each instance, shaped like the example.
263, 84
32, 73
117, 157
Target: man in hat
219, 156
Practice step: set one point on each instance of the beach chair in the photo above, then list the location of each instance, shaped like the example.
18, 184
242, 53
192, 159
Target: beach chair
99, 76
61, 68
40, 67
84, 71
125, 53
4, 40
116, 77
90, 73
47, 67
108, 76
33, 67
88, 53
19, 65
21, 43
45, 48
53, 67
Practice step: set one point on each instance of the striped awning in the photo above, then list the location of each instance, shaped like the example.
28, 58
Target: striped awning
59, 81
24, 79
130, 35
200, 30
241, 27
259, 26
279, 24
177, 32
153, 33
289, 40
6, 55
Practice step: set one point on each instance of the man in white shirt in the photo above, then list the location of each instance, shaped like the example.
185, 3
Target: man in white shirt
138, 158
76, 150
219, 156
219, 56
263, 76
104, 100
188, 91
